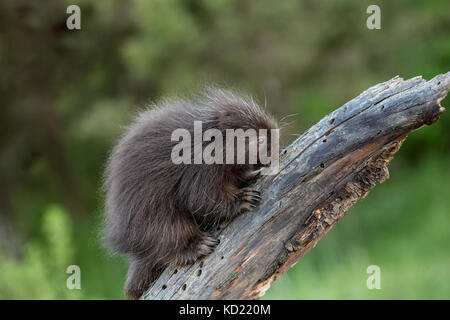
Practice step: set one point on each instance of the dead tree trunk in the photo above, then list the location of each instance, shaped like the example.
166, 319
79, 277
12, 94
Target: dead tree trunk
323, 173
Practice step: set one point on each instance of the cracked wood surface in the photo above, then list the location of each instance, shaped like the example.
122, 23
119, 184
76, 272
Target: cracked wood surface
322, 174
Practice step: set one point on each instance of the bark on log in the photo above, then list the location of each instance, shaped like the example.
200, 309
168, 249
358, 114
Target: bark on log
323, 173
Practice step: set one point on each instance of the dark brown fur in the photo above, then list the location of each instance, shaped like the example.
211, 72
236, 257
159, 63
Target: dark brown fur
159, 213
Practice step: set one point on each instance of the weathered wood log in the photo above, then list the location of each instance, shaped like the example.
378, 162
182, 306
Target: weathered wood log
323, 173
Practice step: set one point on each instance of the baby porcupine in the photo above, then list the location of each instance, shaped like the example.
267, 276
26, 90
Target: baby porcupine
159, 213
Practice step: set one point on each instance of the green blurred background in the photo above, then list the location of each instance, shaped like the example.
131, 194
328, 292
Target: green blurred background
65, 96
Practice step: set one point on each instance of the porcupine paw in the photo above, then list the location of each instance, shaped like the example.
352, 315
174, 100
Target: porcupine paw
203, 246
249, 199
206, 245
252, 177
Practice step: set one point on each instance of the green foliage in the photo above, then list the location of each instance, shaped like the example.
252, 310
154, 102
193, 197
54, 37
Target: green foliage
41, 272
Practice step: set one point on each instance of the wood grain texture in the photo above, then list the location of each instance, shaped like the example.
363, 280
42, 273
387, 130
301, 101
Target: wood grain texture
323, 173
